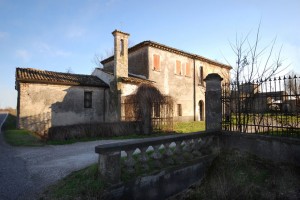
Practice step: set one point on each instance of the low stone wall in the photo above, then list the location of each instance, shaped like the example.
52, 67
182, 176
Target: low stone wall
276, 149
181, 159
93, 130
164, 184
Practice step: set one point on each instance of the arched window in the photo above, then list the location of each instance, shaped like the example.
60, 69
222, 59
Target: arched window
122, 47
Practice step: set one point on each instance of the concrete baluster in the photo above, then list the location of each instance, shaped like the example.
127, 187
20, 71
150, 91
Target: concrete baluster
130, 162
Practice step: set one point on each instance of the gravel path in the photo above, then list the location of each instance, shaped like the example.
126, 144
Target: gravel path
27, 171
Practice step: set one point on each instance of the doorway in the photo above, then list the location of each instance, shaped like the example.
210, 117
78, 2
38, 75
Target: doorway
201, 110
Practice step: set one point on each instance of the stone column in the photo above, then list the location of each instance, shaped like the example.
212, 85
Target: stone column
109, 167
213, 94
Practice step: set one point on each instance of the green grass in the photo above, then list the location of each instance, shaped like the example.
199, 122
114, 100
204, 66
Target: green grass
188, 127
82, 184
22, 138
18, 137
235, 175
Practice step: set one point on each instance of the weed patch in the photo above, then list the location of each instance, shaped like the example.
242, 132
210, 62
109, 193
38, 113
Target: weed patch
22, 138
82, 184
235, 175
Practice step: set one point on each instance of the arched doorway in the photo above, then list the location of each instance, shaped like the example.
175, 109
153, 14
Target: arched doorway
201, 110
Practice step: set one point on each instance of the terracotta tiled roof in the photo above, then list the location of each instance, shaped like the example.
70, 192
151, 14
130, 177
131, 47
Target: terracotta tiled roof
170, 49
135, 80
41, 76
131, 78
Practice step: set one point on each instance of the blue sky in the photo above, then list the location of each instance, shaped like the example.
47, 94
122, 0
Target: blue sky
58, 35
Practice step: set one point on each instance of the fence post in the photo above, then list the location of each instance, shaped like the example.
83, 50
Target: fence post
213, 103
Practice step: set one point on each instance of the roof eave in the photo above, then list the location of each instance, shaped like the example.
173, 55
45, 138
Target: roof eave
58, 83
170, 49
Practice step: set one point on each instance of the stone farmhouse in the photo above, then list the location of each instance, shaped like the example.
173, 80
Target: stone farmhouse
48, 99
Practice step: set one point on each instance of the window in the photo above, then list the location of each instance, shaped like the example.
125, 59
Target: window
178, 67
201, 75
156, 62
187, 69
156, 110
87, 99
179, 110
121, 47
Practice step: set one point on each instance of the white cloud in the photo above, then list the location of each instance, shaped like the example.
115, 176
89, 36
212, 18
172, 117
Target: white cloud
23, 54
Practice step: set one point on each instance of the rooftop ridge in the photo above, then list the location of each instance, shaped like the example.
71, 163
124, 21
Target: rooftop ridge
170, 49
44, 76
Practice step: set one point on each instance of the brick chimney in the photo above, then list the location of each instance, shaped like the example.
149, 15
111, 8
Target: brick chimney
121, 54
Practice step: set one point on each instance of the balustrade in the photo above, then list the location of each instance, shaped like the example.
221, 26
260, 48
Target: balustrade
152, 153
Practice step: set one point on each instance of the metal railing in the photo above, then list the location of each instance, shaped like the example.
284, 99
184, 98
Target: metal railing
262, 106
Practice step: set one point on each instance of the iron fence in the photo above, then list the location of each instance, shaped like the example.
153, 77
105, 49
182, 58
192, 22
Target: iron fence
161, 114
264, 106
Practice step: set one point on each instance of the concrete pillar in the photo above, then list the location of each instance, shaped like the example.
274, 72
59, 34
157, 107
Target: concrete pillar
109, 167
213, 94
120, 69
120, 54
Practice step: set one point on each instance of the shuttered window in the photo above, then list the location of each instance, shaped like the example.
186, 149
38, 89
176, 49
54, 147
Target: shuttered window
88, 99
187, 69
156, 62
179, 110
178, 67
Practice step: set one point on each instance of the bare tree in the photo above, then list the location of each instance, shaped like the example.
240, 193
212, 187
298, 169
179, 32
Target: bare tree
253, 63
292, 84
97, 60
106, 54
69, 70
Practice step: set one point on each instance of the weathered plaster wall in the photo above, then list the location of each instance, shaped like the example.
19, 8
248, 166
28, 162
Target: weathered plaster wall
277, 149
181, 87
44, 105
138, 62
128, 89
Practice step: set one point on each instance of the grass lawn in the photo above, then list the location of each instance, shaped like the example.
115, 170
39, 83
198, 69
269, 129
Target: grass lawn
82, 184
17, 137
22, 138
188, 127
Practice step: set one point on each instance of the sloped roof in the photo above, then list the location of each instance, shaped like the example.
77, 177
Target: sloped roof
43, 76
131, 77
170, 49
